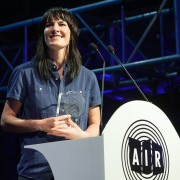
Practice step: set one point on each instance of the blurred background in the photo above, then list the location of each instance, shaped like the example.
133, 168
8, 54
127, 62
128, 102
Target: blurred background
145, 35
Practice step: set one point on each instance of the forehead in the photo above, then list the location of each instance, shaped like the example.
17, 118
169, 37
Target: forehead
56, 20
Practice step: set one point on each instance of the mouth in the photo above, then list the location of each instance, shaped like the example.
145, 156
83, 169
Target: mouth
55, 36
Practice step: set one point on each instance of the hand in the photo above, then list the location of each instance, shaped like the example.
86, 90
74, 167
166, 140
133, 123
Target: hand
70, 131
54, 123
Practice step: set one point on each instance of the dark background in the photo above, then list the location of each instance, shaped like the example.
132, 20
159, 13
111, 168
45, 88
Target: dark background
159, 80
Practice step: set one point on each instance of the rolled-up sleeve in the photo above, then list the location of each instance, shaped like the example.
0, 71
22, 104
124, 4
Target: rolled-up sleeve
17, 85
95, 97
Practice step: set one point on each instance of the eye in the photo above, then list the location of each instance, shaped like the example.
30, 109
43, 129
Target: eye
48, 24
62, 24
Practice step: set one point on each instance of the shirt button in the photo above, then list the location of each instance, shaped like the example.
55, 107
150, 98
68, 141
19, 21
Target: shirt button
80, 92
40, 88
56, 78
54, 67
62, 110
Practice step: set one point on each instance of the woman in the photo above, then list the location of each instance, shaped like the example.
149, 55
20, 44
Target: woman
53, 97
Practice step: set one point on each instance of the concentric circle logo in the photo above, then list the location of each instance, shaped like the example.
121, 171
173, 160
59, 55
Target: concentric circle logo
144, 152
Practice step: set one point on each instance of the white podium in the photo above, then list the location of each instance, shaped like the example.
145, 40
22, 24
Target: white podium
138, 143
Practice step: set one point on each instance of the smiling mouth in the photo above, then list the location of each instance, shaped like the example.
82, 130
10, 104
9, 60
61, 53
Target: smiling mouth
55, 36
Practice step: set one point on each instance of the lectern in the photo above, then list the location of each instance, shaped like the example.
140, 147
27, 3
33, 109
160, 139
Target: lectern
139, 142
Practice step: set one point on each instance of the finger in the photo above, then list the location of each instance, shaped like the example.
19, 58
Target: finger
71, 122
59, 132
58, 122
63, 117
63, 126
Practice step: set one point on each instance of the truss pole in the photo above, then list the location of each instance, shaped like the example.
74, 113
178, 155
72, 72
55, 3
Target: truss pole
73, 10
6, 60
112, 42
123, 28
92, 6
3, 88
146, 15
177, 24
147, 30
143, 63
162, 34
25, 43
94, 34
8, 70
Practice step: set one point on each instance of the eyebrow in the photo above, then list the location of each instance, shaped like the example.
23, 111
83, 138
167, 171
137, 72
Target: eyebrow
51, 20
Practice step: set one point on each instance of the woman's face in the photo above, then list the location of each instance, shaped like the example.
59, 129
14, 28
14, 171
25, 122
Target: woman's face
57, 34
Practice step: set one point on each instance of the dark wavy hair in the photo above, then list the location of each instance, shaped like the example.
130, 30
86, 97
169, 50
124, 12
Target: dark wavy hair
74, 56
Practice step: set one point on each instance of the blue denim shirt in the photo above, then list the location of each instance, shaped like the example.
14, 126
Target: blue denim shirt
42, 99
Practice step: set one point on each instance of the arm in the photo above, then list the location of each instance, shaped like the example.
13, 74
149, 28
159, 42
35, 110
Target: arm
11, 123
94, 122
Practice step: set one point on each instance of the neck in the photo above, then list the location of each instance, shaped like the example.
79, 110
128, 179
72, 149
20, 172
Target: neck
57, 57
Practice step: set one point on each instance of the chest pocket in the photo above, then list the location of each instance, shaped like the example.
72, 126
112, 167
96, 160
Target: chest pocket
42, 98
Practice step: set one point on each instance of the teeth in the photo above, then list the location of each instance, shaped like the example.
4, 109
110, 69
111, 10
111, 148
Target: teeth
55, 36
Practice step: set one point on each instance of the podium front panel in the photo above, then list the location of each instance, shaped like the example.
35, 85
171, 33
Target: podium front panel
140, 143
80, 159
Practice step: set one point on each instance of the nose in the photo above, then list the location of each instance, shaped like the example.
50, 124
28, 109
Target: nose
55, 27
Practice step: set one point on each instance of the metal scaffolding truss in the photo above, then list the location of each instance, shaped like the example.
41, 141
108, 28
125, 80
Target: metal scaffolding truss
145, 37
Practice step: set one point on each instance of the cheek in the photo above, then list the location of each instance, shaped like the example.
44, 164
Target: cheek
68, 34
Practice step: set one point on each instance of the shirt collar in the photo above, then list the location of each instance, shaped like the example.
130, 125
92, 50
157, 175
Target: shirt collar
53, 66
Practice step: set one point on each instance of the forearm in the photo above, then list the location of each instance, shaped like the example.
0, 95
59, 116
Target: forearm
17, 125
13, 124
93, 130
94, 122
10, 122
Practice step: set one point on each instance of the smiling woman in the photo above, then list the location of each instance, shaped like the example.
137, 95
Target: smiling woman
58, 22
57, 39
57, 35
53, 97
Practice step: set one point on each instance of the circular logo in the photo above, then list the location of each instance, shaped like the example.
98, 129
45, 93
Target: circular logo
144, 152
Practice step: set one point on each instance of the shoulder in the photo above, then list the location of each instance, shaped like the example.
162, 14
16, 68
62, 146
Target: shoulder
86, 71
23, 70
27, 65
87, 76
